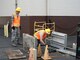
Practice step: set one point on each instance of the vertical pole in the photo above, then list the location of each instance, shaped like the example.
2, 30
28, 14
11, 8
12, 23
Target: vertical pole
47, 20
16, 4
46, 10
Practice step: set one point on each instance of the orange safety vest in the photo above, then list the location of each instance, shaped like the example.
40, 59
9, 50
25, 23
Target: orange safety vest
16, 21
37, 35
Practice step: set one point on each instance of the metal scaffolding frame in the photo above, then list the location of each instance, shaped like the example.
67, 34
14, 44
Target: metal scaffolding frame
43, 25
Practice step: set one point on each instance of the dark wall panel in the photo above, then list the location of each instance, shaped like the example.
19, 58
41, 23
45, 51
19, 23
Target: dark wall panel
65, 24
31, 20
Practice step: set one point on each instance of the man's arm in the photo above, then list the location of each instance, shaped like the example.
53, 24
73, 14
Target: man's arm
42, 41
12, 18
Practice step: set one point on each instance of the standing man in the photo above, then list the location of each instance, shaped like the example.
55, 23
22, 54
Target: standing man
41, 35
15, 25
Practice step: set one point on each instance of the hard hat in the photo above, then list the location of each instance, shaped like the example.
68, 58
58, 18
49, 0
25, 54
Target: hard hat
18, 9
47, 31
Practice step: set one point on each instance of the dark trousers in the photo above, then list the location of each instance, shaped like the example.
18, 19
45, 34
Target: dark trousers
38, 42
15, 35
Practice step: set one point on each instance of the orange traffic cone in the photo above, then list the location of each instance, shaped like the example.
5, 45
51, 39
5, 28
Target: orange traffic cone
32, 54
46, 54
39, 52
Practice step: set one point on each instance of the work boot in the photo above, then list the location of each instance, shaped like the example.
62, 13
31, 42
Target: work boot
19, 43
14, 45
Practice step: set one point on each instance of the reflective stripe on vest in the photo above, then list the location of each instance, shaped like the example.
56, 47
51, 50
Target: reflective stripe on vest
16, 21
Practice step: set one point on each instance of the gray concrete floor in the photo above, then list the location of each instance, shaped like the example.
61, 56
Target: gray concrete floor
5, 44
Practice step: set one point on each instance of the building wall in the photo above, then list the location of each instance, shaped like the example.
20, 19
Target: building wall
7, 7
29, 7
65, 24
41, 7
63, 8
65, 13
33, 7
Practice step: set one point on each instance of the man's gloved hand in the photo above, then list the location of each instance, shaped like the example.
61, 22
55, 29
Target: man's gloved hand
13, 27
45, 44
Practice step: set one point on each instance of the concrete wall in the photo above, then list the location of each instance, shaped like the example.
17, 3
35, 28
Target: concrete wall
29, 7
65, 13
38, 7
7, 7
63, 7
33, 7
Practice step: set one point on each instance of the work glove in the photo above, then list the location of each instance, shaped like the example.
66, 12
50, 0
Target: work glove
13, 27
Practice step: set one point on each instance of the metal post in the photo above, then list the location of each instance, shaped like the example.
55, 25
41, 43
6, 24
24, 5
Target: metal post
46, 7
47, 19
16, 4
46, 11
